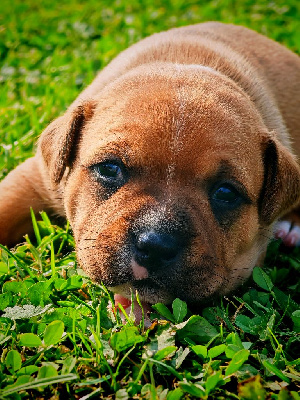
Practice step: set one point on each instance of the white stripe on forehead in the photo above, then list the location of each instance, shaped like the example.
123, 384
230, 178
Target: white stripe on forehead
180, 67
179, 120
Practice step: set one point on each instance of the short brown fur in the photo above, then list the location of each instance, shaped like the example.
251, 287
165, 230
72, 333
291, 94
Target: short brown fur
183, 110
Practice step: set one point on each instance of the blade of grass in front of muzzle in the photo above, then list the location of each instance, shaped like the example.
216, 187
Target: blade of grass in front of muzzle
52, 261
35, 227
142, 323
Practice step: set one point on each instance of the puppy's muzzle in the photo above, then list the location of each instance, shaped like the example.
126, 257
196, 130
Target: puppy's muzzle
154, 250
159, 238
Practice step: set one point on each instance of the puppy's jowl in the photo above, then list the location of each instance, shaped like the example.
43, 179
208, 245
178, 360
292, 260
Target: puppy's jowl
174, 165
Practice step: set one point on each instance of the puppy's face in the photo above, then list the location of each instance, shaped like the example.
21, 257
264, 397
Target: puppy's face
166, 189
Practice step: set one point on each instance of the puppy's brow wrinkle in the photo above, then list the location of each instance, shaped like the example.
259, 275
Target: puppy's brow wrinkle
109, 150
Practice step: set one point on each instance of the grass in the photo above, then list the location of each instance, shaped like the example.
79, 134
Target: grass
57, 339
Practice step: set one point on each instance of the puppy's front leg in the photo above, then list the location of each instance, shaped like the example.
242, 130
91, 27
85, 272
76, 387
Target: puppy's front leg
24, 187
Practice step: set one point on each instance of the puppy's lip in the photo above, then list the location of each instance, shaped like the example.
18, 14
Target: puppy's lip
138, 271
149, 291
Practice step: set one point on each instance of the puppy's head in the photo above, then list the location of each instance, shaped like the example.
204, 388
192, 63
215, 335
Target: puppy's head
172, 182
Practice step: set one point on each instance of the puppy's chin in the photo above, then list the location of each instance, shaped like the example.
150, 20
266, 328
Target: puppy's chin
148, 291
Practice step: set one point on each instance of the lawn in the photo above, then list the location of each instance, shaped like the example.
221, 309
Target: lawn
57, 339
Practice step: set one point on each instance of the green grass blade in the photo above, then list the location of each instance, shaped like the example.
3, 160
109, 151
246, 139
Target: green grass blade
275, 371
52, 262
35, 227
39, 383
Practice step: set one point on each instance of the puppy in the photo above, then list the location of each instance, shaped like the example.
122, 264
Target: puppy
173, 166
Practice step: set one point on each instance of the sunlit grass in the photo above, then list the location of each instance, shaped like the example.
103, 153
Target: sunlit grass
59, 334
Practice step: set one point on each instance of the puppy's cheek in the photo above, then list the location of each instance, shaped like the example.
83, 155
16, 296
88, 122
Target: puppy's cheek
243, 264
104, 254
101, 250
101, 232
78, 199
200, 282
203, 271
217, 265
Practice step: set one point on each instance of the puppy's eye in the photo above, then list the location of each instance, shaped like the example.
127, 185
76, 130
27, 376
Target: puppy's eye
110, 173
109, 170
226, 194
226, 201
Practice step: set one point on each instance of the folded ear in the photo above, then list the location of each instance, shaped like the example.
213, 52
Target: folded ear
59, 140
281, 187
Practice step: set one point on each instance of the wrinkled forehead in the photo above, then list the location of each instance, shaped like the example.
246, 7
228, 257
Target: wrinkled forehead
189, 118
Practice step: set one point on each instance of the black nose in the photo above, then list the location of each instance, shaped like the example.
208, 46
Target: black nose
154, 250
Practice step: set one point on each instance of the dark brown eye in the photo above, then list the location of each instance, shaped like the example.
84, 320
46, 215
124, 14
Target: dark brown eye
226, 193
110, 174
226, 201
109, 170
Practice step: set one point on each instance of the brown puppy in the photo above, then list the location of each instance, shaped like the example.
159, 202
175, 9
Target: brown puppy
173, 165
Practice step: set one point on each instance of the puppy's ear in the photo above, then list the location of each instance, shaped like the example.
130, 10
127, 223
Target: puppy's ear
281, 187
60, 139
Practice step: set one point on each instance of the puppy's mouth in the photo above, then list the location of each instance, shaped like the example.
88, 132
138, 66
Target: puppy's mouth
139, 313
149, 288
162, 283
149, 292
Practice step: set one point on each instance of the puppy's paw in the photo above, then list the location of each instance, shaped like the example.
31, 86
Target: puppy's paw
288, 232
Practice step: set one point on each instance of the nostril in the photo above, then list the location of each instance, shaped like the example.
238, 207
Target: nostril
152, 248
